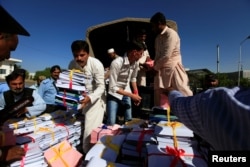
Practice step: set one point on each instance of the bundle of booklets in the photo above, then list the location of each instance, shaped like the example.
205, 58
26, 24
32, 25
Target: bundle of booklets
50, 131
167, 143
71, 85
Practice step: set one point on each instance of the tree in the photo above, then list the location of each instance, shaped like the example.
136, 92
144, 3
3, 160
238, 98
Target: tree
245, 82
45, 72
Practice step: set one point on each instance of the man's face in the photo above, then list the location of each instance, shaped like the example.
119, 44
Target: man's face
17, 85
142, 37
55, 74
136, 55
112, 55
81, 57
8, 43
156, 28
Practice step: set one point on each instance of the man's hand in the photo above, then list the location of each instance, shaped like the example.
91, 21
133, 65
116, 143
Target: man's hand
21, 112
85, 101
12, 153
137, 99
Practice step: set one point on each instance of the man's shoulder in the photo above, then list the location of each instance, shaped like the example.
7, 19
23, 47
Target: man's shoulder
117, 60
44, 82
93, 59
95, 62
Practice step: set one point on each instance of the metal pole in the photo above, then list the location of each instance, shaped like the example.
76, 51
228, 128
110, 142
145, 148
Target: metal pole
218, 58
239, 67
240, 64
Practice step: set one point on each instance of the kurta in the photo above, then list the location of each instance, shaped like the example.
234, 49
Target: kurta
168, 63
94, 111
141, 75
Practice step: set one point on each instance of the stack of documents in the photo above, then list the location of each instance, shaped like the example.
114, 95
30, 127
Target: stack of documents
71, 102
24, 125
97, 161
164, 131
136, 141
73, 80
107, 148
33, 157
71, 85
167, 155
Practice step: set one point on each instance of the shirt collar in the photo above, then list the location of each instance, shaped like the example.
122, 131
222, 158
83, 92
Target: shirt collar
125, 58
164, 30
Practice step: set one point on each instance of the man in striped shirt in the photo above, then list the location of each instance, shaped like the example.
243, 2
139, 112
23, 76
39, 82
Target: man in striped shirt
220, 116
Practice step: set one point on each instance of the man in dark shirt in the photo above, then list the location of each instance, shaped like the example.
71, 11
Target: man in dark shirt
9, 28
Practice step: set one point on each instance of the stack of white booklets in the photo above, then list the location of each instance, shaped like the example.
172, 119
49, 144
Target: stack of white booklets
33, 157
73, 80
100, 162
172, 139
163, 155
23, 126
134, 147
71, 85
107, 148
163, 132
43, 132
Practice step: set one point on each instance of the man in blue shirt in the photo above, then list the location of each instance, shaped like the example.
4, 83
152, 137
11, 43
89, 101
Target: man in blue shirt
220, 116
3, 87
48, 89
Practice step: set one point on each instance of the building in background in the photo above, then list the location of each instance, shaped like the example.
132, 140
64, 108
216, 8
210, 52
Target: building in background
7, 66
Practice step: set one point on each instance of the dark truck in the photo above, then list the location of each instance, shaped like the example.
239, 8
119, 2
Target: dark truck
116, 33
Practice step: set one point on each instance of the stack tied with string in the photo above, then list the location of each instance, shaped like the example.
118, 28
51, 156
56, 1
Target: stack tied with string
176, 146
133, 149
71, 87
39, 134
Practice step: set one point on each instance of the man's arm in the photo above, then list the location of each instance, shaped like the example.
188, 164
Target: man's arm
168, 44
10, 154
2, 102
38, 107
114, 72
187, 109
99, 81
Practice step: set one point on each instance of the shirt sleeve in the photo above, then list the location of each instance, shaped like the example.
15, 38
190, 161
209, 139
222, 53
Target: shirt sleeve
114, 71
2, 102
168, 44
99, 81
134, 73
187, 109
41, 89
38, 106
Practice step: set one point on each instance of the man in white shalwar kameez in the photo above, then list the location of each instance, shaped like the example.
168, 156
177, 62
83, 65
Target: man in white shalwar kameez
168, 63
93, 106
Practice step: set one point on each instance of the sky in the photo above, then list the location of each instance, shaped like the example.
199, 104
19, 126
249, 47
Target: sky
208, 28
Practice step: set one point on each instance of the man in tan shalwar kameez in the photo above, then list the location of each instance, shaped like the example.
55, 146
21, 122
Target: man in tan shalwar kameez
167, 63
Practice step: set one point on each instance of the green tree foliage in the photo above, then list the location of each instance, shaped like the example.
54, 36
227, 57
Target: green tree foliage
224, 81
245, 82
45, 72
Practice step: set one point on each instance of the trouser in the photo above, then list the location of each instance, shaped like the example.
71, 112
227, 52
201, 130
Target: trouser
93, 118
114, 104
